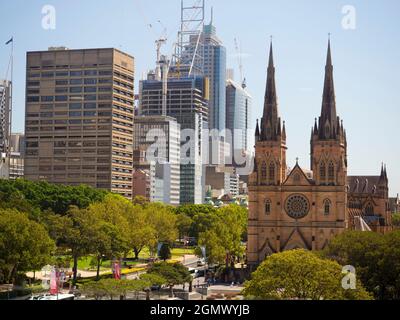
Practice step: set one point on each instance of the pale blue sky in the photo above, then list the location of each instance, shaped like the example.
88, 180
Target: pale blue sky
366, 60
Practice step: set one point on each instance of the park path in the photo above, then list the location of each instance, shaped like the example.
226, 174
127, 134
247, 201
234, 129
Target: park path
186, 260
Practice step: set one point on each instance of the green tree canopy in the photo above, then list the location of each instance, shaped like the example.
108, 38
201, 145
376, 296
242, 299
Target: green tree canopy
362, 250
24, 244
174, 274
223, 239
28, 195
300, 274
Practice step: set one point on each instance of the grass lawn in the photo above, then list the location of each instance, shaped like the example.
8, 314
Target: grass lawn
84, 263
176, 253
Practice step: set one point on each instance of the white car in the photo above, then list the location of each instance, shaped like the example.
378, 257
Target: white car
49, 297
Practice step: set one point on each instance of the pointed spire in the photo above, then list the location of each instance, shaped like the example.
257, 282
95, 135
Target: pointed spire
316, 126
382, 176
386, 176
270, 121
329, 55
284, 131
271, 56
328, 119
257, 130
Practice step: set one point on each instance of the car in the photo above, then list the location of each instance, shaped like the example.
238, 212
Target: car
201, 263
155, 287
48, 297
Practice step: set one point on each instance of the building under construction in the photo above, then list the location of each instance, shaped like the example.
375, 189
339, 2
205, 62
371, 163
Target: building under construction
179, 89
5, 127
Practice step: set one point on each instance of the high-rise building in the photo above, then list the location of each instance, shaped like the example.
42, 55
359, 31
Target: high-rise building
4, 114
157, 155
5, 89
238, 106
187, 102
17, 154
215, 70
79, 118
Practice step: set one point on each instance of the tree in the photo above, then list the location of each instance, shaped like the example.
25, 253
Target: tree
24, 244
300, 274
165, 252
389, 268
112, 228
45, 196
152, 280
364, 251
223, 239
141, 233
77, 231
184, 224
162, 220
174, 274
396, 219
202, 218
113, 288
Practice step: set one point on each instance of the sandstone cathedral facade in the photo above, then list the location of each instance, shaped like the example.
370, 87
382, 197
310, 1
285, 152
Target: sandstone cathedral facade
300, 208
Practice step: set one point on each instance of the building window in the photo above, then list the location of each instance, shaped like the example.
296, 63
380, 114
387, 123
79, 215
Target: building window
331, 171
369, 209
272, 172
327, 207
322, 171
268, 207
264, 171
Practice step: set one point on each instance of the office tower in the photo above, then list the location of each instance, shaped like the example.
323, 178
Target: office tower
17, 153
215, 70
5, 89
79, 118
238, 105
157, 158
187, 102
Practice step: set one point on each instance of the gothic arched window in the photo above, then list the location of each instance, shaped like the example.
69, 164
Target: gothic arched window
272, 172
331, 171
327, 131
369, 209
268, 207
264, 171
322, 171
327, 207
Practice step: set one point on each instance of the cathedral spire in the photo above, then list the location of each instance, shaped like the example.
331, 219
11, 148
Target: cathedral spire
257, 131
270, 121
328, 119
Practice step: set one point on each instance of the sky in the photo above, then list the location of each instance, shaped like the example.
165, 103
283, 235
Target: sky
365, 51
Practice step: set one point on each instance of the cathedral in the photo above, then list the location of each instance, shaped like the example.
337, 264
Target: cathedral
300, 208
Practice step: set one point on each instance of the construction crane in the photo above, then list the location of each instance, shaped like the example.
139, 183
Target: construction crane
240, 63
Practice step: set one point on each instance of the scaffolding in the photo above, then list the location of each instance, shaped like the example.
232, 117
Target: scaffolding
188, 56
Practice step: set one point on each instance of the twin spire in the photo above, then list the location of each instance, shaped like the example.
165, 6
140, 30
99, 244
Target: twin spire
328, 126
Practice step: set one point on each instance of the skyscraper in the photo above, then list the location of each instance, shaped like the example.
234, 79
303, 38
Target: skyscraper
4, 115
238, 106
215, 70
79, 118
159, 136
17, 154
187, 101
4, 128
